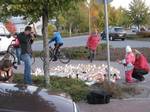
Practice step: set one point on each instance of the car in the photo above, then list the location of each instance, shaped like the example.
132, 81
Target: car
134, 29
115, 33
5, 38
28, 98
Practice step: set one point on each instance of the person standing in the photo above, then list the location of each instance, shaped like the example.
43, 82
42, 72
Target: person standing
128, 62
17, 48
92, 43
26, 39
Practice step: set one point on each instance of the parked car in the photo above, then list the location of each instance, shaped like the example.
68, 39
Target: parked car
115, 33
23, 98
134, 29
5, 38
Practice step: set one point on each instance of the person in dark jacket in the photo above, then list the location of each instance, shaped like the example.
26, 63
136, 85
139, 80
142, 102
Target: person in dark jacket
26, 39
141, 66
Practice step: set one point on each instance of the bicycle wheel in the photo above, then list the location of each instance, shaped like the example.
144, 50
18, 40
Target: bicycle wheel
64, 57
42, 55
33, 59
11, 49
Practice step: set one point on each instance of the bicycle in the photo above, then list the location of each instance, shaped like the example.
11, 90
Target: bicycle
62, 56
11, 49
7, 62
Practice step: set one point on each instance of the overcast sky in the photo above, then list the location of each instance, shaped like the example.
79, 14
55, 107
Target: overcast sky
125, 3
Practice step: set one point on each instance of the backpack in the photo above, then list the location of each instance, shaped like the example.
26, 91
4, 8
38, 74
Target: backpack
98, 97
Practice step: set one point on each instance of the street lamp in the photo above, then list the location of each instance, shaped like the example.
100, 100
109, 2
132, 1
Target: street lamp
89, 7
107, 34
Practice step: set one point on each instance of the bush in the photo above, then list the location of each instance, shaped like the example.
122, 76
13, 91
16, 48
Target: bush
51, 30
118, 91
144, 34
76, 88
115, 53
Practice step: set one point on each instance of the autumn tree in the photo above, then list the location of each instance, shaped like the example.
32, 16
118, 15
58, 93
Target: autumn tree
138, 12
35, 9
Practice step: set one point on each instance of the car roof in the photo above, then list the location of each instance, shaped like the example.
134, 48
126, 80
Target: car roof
3, 29
32, 99
117, 27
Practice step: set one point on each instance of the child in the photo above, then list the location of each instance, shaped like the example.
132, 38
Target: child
128, 62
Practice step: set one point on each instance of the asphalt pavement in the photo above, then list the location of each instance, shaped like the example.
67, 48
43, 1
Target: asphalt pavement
81, 41
118, 106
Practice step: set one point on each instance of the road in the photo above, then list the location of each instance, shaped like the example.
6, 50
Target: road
118, 106
81, 41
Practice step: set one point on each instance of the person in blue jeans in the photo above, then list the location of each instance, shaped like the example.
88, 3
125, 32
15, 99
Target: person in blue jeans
17, 48
26, 39
57, 38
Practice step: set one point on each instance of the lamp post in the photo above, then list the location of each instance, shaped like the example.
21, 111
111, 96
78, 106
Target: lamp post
89, 7
107, 33
107, 36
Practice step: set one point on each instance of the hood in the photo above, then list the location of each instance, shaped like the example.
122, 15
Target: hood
25, 98
128, 49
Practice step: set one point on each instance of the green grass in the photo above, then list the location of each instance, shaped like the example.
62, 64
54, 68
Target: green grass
74, 87
77, 88
137, 37
80, 53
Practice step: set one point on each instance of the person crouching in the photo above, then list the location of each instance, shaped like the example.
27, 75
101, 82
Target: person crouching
141, 66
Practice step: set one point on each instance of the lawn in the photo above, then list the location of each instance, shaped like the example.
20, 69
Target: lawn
78, 90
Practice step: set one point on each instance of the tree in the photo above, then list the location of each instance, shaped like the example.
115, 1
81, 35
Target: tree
138, 12
35, 9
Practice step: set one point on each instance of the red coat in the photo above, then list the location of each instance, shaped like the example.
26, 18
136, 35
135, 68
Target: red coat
93, 41
141, 63
130, 58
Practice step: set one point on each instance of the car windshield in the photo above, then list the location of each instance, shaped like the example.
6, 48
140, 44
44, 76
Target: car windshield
119, 29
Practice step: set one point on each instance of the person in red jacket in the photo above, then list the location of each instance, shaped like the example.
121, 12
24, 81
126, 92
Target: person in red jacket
141, 66
128, 62
93, 42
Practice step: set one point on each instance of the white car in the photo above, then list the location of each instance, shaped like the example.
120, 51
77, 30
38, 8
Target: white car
5, 38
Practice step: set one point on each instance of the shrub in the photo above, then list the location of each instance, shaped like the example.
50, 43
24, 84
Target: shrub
119, 91
50, 30
76, 88
145, 34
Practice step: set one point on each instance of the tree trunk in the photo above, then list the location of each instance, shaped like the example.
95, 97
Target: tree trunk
45, 44
70, 30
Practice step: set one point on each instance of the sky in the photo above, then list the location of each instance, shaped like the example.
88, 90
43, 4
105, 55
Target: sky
125, 3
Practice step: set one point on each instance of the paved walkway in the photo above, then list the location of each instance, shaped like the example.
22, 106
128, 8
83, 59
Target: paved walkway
118, 106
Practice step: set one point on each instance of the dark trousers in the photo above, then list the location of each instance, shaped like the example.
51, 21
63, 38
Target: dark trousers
138, 74
56, 49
